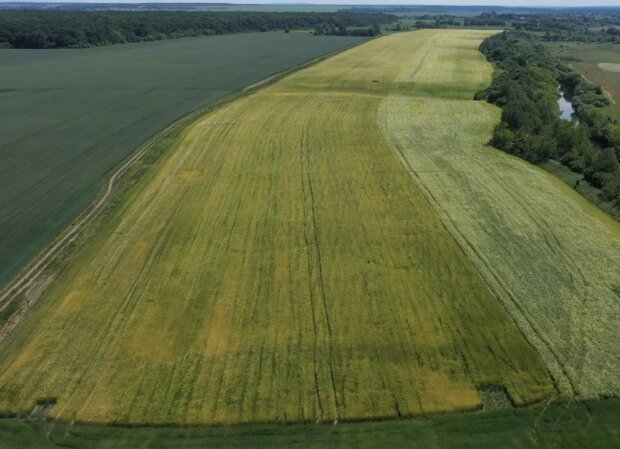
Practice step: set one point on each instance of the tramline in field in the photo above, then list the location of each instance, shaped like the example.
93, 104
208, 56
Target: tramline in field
280, 266
315, 252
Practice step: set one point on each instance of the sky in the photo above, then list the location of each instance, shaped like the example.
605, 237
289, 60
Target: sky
571, 3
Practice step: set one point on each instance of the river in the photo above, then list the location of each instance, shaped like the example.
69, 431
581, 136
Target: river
566, 107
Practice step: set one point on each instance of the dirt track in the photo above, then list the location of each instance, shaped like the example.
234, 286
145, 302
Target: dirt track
28, 279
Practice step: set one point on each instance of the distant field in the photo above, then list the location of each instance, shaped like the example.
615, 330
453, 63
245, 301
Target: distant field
281, 266
69, 116
591, 425
552, 258
599, 63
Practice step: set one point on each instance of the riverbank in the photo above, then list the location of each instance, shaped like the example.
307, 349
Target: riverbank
582, 186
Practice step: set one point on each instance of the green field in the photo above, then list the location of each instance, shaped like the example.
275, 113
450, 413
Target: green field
578, 425
551, 257
597, 62
280, 265
70, 116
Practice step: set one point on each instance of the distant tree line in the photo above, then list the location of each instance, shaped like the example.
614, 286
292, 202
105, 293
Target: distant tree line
525, 86
100, 6
438, 21
67, 29
341, 30
548, 26
584, 27
472, 10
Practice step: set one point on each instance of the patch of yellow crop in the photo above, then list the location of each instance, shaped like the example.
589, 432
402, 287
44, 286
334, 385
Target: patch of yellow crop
301, 276
190, 176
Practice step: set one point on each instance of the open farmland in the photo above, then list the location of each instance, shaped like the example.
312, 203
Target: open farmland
69, 116
593, 425
280, 265
599, 63
552, 258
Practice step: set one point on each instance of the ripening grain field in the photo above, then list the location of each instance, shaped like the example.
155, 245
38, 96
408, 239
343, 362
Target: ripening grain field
281, 265
552, 258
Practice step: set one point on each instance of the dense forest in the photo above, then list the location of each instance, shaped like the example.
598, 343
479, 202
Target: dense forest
68, 29
525, 85
556, 27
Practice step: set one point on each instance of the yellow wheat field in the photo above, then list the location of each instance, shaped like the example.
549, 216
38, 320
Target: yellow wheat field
280, 266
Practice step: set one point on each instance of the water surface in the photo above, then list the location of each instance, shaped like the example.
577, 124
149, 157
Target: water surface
566, 107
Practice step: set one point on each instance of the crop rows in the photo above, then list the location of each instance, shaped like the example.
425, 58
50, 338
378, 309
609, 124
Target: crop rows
551, 257
70, 116
280, 266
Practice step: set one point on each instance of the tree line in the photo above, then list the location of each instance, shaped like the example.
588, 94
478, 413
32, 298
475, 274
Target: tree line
341, 30
583, 27
525, 85
70, 29
547, 26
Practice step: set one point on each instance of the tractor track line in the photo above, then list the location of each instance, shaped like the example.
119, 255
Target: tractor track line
26, 280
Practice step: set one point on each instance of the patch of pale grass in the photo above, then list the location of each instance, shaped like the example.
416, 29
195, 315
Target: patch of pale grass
609, 67
552, 258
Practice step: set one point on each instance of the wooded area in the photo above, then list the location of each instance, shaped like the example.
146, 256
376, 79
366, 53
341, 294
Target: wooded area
590, 27
70, 29
525, 86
